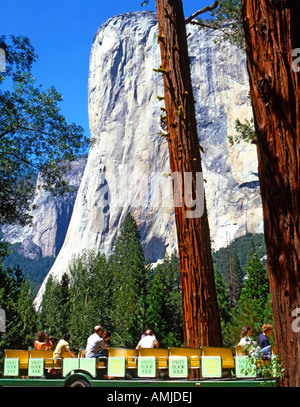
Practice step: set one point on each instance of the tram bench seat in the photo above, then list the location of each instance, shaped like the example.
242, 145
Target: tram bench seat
261, 361
81, 353
101, 362
161, 355
129, 354
47, 355
22, 355
193, 355
238, 350
65, 355
225, 353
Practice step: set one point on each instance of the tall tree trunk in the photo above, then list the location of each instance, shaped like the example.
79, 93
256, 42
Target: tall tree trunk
272, 32
199, 302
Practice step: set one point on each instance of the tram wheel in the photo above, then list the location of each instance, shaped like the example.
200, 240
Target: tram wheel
79, 383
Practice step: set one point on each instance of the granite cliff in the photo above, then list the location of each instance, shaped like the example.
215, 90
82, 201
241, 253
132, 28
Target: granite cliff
128, 168
50, 220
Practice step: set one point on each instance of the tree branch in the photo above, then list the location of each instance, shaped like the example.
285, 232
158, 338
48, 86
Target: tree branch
20, 127
36, 130
205, 25
29, 163
202, 11
229, 34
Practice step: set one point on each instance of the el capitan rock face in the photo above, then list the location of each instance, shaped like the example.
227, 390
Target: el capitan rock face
128, 166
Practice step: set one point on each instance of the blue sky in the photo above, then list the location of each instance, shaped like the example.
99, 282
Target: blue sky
62, 32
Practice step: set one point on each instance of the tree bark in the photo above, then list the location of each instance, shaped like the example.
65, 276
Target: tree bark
272, 32
201, 322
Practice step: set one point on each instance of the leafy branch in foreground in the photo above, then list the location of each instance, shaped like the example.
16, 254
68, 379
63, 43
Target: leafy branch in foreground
264, 369
226, 19
34, 135
244, 132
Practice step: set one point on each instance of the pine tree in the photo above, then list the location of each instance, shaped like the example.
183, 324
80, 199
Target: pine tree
223, 298
236, 281
25, 315
164, 313
129, 281
81, 300
253, 301
256, 286
16, 295
90, 296
54, 310
101, 298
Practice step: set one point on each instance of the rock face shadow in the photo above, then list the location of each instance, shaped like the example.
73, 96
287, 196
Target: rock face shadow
155, 249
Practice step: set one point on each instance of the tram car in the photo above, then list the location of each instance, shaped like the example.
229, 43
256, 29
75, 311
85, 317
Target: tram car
157, 367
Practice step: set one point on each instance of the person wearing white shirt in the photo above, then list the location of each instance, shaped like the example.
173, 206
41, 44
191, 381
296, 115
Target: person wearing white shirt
148, 340
96, 346
246, 340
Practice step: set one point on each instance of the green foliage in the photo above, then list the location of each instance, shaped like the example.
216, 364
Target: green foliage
256, 286
164, 314
244, 132
90, 296
234, 279
34, 136
127, 267
253, 308
16, 300
224, 16
122, 294
241, 247
226, 19
33, 269
54, 310
264, 369
222, 298
243, 315
81, 300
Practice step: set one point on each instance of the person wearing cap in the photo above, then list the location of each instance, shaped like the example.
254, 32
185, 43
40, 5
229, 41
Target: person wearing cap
263, 341
148, 340
96, 346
